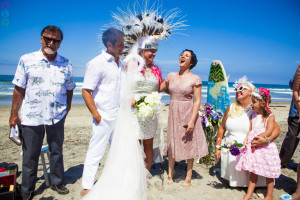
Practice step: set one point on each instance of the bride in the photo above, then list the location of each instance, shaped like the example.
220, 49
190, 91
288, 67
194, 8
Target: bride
124, 174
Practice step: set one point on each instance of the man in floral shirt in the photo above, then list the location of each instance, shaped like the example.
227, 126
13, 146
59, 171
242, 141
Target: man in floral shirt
44, 86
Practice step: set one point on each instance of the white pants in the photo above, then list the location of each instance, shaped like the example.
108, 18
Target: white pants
102, 134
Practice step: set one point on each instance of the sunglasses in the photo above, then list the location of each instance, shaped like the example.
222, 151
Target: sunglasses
240, 89
48, 40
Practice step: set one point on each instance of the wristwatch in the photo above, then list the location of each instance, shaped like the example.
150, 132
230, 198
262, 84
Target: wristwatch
268, 140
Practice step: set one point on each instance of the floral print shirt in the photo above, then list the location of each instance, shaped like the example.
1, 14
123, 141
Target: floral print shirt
46, 84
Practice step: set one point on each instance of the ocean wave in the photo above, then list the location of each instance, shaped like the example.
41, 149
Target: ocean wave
279, 98
290, 93
79, 84
6, 93
280, 89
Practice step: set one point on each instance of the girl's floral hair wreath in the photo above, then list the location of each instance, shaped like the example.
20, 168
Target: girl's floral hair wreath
262, 93
259, 93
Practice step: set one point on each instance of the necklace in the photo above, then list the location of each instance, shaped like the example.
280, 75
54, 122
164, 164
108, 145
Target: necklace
246, 109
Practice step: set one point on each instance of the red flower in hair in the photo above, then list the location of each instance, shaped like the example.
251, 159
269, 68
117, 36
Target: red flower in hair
264, 91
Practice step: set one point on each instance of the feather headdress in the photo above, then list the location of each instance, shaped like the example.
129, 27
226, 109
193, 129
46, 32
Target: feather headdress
146, 26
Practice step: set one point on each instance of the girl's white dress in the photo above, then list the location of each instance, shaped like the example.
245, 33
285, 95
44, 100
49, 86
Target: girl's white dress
237, 128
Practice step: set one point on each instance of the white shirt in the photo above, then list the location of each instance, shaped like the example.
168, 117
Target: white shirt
103, 76
46, 84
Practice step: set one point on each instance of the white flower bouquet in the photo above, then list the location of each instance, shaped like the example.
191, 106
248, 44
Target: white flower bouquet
146, 105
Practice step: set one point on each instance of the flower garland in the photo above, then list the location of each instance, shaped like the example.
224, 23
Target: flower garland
156, 71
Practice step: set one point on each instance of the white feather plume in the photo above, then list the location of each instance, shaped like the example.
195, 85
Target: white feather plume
143, 21
244, 79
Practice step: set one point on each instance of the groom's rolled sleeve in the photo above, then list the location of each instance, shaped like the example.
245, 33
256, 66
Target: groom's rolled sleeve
92, 76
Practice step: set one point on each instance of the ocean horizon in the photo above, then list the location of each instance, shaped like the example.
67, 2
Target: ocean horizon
279, 93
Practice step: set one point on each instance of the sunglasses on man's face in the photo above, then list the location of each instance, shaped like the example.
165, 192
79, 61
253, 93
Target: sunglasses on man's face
48, 40
239, 89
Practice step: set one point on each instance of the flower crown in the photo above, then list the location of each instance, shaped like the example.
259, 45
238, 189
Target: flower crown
260, 93
244, 81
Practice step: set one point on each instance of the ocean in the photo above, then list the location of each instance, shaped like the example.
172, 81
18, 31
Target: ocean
280, 93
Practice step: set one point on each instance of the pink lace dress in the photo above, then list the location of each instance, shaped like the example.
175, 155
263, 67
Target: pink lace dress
180, 145
264, 161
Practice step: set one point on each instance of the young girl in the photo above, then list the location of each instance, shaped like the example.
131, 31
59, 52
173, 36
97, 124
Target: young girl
260, 161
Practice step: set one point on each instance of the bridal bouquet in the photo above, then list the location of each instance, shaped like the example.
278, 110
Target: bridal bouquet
231, 146
147, 105
211, 121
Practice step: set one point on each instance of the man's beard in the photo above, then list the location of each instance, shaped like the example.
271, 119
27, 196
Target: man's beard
49, 51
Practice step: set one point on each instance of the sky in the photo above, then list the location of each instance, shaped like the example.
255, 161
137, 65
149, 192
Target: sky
257, 38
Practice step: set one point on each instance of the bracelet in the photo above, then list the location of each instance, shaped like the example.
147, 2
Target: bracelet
218, 139
218, 146
268, 140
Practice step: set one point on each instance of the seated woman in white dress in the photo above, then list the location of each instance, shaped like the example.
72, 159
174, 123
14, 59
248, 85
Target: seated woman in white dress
236, 123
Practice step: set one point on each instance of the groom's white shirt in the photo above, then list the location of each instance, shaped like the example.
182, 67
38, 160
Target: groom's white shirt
103, 76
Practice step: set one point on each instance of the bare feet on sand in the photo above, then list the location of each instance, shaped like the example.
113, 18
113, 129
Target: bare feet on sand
186, 183
85, 192
170, 180
246, 197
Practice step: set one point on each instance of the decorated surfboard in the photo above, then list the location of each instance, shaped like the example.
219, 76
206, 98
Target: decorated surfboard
218, 92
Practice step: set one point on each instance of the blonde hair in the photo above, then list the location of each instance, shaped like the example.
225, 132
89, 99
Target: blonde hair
236, 108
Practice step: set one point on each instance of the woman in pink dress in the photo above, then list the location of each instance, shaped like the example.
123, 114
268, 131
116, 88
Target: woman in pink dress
260, 161
186, 139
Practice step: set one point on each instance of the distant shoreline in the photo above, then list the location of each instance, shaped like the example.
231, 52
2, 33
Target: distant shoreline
205, 82
273, 104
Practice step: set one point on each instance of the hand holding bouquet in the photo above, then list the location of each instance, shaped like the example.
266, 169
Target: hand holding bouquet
232, 147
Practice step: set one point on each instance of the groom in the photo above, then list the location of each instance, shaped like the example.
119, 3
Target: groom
101, 93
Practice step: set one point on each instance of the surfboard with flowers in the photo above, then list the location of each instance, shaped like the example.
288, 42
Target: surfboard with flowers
218, 93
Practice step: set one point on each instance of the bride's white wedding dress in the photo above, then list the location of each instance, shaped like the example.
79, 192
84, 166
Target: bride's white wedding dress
124, 174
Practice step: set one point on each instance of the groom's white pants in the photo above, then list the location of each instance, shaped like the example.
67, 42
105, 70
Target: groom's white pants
102, 134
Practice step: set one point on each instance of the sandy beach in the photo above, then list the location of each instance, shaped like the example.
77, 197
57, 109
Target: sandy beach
206, 182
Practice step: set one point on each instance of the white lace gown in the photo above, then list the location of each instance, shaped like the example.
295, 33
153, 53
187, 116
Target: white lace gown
151, 127
124, 174
237, 128
145, 85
